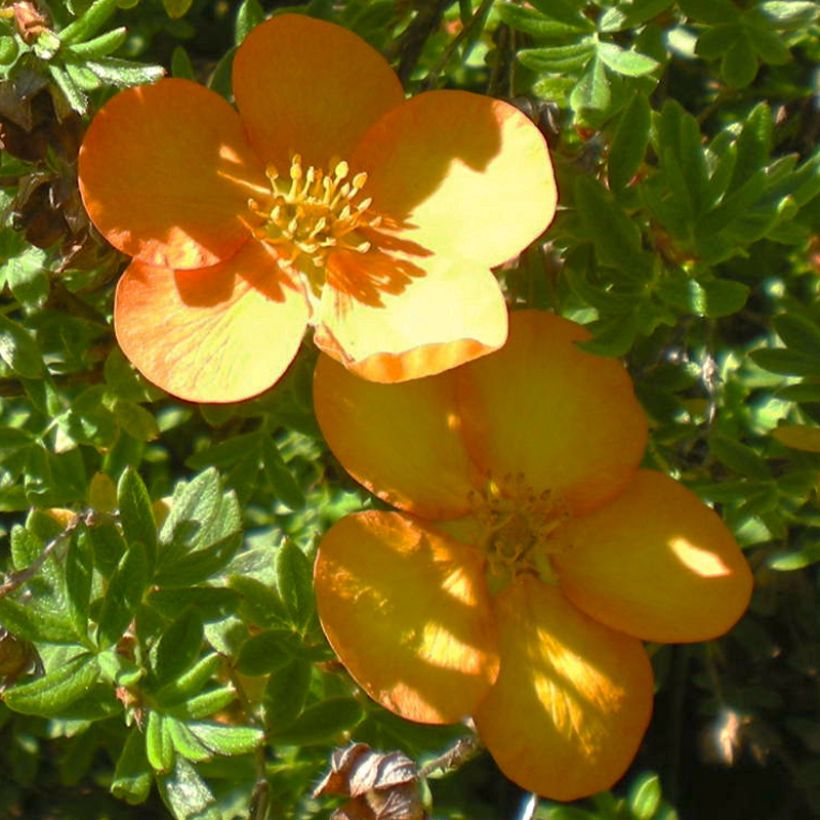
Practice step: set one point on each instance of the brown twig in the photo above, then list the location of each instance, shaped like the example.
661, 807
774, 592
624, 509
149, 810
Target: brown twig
464, 749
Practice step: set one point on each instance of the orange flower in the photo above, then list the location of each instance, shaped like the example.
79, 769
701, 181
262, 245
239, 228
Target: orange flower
531, 557
328, 200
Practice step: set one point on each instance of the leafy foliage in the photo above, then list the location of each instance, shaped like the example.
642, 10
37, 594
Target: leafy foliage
160, 643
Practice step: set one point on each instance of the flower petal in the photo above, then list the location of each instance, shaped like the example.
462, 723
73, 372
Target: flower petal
303, 85
400, 440
542, 407
218, 334
165, 173
468, 175
391, 319
406, 611
573, 698
656, 563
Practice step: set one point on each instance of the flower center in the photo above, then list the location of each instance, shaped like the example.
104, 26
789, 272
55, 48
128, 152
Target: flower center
519, 529
311, 213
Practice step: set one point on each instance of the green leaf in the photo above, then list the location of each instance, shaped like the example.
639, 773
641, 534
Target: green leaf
721, 297
645, 796
50, 695
739, 64
79, 566
284, 484
790, 15
181, 65
249, 15
124, 73
787, 362
18, 350
715, 41
629, 143
261, 605
613, 336
592, 91
88, 24
100, 46
555, 19
132, 775
227, 740
616, 237
136, 515
285, 694
189, 682
186, 743
267, 651
203, 705
185, 793
628, 63
769, 46
294, 582
556, 59
25, 273
159, 748
196, 502
710, 11
799, 333
322, 722
124, 595
178, 647
738, 457
753, 144
74, 95
176, 8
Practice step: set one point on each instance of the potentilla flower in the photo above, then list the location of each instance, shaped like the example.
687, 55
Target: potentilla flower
529, 559
328, 200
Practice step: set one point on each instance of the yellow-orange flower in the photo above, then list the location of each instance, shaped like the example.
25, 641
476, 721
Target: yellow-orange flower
327, 200
530, 558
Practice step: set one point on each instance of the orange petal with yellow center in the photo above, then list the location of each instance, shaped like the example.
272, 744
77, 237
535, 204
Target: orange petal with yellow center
402, 441
406, 611
465, 174
566, 420
165, 174
217, 334
656, 563
572, 700
309, 87
391, 319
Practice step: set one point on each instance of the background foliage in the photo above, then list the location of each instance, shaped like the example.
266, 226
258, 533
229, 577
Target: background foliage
160, 650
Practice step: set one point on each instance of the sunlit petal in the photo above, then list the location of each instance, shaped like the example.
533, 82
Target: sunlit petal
572, 700
407, 613
217, 334
165, 174
566, 420
402, 441
435, 314
310, 87
656, 563
468, 175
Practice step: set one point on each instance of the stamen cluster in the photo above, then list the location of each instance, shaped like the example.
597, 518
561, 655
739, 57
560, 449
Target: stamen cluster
312, 212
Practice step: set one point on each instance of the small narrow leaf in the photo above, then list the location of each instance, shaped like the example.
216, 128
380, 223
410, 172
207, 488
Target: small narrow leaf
159, 748
18, 350
628, 63
285, 694
629, 142
320, 723
50, 695
294, 581
123, 596
132, 776
136, 515
227, 740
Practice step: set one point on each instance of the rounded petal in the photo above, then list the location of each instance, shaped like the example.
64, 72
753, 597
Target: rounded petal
406, 611
218, 334
566, 420
165, 174
656, 563
391, 320
573, 698
466, 175
400, 440
309, 87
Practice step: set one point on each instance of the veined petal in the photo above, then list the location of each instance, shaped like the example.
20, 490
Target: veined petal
309, 87
406, 611
542, 407
218, 334
165, 174
656, 563
467, 175
391, 319
572, 700
402, 441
